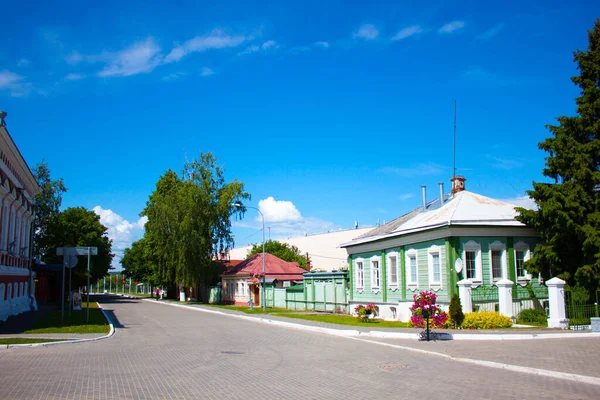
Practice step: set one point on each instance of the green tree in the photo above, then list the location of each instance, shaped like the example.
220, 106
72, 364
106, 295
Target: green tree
79, 227
137, 264
48, 203
568, 214
189, 222
284, 251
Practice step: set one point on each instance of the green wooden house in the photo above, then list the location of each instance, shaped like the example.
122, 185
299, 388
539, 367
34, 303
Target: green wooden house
457, 236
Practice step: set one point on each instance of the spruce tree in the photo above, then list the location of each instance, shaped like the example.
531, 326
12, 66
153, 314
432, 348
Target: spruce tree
568, 214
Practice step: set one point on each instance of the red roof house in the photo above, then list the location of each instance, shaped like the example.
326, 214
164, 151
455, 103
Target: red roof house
244, 279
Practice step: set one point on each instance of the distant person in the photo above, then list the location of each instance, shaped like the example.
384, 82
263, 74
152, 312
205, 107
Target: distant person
162, 294
157, 294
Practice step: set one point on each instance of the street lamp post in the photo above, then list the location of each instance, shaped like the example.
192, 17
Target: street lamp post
264, 272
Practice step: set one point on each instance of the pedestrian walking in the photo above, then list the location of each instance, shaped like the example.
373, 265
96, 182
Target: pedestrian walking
157, 294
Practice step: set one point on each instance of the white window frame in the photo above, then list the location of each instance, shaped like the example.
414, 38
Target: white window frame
430, 253
388, 264
412, 253
524, 247
375, 283
497, 245
475, 247
359, 287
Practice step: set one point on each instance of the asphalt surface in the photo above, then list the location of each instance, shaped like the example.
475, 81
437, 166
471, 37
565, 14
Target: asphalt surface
160, 351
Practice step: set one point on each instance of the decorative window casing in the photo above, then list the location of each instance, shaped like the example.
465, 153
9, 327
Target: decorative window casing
522, 254
412, 269
393, 270
360, 274
434, 261
375, 273
472, 265
498, 267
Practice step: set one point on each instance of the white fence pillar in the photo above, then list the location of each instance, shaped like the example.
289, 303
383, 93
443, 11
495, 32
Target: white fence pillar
505, 297
556, 297
464, 292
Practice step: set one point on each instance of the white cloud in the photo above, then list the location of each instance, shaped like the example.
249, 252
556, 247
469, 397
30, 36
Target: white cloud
266, 46
522, 201
407, 32
279, 210
249, 50
422, 169
120, 231
139, 58
366, 32
23, 62
504, 163
215, 40
451, 27
75, 77
173, 76
269, 44
322, 44
74, 58
207, 71
406, 196
490, 33
14, 83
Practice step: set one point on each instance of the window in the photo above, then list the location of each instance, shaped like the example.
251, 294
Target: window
411, 270
360, 275
435, 266
392, 266
522, 254
470, 267
497, 260
375, 273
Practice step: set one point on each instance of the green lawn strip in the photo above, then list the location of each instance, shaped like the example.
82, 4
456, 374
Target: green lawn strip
246, 309
345, 320
75, 323
29, 341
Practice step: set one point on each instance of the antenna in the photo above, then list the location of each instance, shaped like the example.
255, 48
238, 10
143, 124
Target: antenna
454, 167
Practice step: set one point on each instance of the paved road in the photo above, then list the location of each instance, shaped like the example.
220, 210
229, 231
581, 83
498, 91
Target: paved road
165, 352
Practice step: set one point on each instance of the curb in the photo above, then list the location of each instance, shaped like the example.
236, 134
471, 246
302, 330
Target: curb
109, 334
392, 335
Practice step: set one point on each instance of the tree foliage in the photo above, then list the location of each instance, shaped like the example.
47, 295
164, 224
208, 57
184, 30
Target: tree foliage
48, 203
78, 227
284, 251
568, 214
189, 224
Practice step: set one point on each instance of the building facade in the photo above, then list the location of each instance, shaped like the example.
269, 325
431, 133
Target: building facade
18, 189
456, 237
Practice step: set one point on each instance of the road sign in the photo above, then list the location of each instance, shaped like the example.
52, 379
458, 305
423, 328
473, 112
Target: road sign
71, 261
77, 251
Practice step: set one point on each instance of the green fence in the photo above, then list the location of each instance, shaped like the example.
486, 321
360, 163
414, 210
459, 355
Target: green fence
579, 307
529, 297
485, 298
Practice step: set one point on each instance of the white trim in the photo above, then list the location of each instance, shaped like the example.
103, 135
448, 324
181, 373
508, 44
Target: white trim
412, 253
356, 280
389, 256
13, 271
497, 245
431, 251
373, 259
475, 247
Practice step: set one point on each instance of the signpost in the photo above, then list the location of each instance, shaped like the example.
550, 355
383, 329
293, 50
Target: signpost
69, 261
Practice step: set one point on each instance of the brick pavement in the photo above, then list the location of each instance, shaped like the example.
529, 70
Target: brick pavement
165, 352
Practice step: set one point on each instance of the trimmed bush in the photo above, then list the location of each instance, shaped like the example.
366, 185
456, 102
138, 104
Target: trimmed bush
486, 320
456, 314
532, 316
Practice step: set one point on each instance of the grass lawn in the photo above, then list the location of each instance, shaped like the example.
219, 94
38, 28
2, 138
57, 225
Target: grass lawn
50, 323
246, 309
28, 341
346, 320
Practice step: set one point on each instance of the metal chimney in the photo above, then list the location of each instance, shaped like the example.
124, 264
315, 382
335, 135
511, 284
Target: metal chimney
424, 194
441, 184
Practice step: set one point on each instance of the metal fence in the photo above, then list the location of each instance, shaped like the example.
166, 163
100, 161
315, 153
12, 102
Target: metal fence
485, 298
579, 307
529, 298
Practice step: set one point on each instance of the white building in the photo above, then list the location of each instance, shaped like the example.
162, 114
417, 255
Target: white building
323, 248
18, 189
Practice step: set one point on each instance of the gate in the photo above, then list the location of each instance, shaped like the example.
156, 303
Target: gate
578, 307
485, 298
529, 297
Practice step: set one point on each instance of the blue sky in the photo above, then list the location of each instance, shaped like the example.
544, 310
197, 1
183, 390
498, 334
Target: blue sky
329, 112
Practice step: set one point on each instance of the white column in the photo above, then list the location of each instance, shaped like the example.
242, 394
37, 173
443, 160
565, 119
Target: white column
556, 297
465, 294
505, 297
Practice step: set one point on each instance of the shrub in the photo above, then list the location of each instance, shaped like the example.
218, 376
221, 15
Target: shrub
486, 320
456, 313
536, 316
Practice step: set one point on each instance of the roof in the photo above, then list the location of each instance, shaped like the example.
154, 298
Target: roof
275, 268
463, 208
